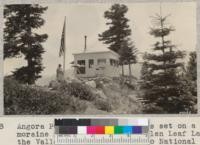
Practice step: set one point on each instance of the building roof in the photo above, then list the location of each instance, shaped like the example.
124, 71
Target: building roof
93, 52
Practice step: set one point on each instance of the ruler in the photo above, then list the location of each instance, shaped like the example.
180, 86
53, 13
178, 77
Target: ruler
102, 139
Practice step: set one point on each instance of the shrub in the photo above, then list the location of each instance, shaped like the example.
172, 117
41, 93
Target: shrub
102, 104
76, 105
78, 90
24, 99
151, 107
99, 84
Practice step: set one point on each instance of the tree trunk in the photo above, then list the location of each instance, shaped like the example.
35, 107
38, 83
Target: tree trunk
122, 70
130, 73
31, 75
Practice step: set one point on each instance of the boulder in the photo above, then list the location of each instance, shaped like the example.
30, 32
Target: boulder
54, 84
101, 94
76, 80
91, 84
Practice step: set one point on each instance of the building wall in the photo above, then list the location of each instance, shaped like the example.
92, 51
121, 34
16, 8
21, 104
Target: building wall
110, 71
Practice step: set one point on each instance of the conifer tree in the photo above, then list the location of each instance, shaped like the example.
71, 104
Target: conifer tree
144, 70
192, 67
165, 90
191, 73
118, 27
117, 36
128, 55
21, 39
145, 74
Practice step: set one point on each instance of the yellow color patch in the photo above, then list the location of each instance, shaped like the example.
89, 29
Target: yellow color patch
109, 129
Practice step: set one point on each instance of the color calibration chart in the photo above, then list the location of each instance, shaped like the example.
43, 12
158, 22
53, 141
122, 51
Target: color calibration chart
102, 131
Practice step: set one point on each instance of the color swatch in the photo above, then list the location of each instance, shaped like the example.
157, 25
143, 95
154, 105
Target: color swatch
101, 126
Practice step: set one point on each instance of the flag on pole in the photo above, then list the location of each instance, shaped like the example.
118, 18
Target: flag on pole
62, 46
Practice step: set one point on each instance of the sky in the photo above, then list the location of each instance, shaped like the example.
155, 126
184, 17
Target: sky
88, 19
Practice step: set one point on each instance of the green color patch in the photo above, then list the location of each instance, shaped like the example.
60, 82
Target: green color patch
118, 130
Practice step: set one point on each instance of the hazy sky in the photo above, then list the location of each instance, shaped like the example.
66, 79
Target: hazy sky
87, 19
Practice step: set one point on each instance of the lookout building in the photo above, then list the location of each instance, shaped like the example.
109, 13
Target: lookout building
94, 64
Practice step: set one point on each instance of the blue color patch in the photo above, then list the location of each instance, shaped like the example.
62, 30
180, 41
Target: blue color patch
127, 129
137, 130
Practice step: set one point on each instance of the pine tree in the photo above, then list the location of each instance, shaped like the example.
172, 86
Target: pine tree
191, 73
128, 55
192, 67
166, 91
145, 74
144, 70
117, 35
20, 38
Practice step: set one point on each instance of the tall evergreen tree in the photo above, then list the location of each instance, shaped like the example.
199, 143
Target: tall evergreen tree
118, 27
144, 70
118, 33
20, 38
165, 91
128, 55
144, 75
192, 67
191, 73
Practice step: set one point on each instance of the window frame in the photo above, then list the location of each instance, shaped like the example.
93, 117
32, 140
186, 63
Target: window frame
82, 68
100, 59
90, 63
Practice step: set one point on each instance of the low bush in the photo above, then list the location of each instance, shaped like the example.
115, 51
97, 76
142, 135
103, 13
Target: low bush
78, 90
151, 107
102, 105
24, 99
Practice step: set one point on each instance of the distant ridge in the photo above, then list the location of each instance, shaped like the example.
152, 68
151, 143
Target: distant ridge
45, 80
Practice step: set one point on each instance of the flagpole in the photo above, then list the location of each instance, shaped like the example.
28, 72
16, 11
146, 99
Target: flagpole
64, 49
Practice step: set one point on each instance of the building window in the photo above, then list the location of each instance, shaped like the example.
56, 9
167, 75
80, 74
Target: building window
81, 62
113, 62
81, 67
101, 61
91, 63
